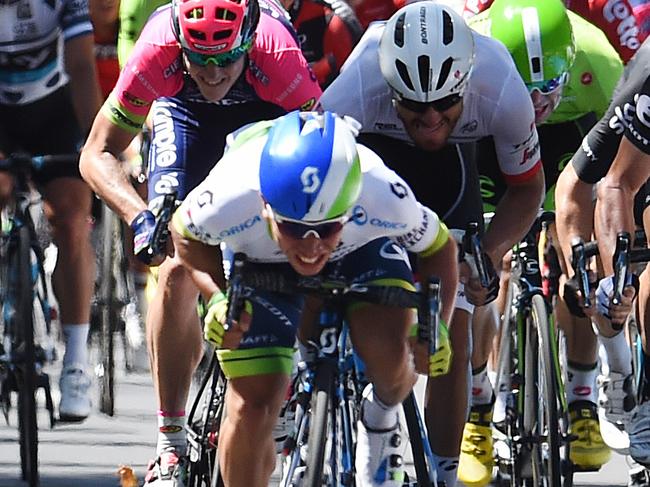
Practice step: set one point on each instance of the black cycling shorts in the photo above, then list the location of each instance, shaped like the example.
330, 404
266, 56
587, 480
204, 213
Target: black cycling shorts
45, 127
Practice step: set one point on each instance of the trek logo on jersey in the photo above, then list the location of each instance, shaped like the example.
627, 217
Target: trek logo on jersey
530, 153
617, 11
310, 180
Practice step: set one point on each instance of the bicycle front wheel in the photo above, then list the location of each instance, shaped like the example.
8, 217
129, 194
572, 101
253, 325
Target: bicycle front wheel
549, 403
23, 347
318, 427
109, 314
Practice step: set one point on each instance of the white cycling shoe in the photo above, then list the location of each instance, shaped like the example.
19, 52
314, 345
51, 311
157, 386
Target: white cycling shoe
74, 385
379, 455
617, 403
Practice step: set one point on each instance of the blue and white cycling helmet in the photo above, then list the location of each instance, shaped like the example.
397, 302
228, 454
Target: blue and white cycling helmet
309, 168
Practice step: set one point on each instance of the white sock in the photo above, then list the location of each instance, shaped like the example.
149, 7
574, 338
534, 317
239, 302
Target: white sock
76, 344
582, 383
619, 357
374, 413
447, 470
482, 390
171, 432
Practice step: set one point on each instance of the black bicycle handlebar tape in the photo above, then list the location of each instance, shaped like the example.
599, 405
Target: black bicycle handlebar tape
161, 230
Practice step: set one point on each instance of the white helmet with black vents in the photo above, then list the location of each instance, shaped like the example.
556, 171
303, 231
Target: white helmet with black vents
426, 52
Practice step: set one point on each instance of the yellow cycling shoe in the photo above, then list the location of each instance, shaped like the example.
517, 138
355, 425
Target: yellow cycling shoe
588, 451
476, 453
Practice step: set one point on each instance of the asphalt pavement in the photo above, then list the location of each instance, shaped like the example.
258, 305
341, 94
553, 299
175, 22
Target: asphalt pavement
90, 453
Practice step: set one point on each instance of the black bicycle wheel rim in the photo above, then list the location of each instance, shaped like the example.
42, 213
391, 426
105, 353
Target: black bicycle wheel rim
539, 315
323, 387
24, 333
108, 314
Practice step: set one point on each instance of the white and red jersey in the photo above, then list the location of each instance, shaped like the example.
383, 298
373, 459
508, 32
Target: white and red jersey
495, 103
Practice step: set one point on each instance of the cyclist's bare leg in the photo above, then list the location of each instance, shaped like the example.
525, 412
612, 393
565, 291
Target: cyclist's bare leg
173, 335
379, 335
447, 400
6, 187
247, 449
67, 207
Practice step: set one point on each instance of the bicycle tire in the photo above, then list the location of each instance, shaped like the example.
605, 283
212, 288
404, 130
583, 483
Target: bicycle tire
27, 382
321, 399
108, 314
417, 435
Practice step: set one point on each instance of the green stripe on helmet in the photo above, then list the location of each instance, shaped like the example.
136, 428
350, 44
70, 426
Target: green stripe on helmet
350, 190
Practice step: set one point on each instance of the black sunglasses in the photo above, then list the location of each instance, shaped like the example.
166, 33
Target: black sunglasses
440, 105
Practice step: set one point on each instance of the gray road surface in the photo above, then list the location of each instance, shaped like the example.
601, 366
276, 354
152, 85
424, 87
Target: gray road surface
89, 454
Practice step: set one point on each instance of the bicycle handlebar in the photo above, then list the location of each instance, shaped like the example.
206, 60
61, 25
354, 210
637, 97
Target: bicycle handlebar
244, 273
161, 230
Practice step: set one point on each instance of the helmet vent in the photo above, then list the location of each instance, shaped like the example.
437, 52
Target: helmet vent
222, 34
447, 28
195, 13
424, 68
225, 14
445, 69
399, 31
536, 65
197, 34
404, 74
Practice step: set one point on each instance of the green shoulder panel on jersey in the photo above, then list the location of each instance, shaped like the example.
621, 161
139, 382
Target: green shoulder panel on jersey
238, 138
595, 71
593, 76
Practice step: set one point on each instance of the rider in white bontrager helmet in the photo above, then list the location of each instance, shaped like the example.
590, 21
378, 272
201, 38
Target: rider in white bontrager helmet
426, 52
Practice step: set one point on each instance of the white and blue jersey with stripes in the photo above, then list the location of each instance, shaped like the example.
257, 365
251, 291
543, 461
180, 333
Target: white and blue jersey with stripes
32, 35
227, 207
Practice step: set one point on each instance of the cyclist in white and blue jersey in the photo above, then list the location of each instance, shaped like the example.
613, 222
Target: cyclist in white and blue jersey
299, 193
49, 96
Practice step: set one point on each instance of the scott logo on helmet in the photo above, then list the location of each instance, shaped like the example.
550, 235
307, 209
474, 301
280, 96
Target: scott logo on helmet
310, 180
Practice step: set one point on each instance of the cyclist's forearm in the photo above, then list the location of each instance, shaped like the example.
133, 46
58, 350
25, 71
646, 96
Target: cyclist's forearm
101, 169
613, 214
513, 217
574, 211
444, 265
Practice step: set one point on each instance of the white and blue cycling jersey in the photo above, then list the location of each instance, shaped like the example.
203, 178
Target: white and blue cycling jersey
227, 208
32, 34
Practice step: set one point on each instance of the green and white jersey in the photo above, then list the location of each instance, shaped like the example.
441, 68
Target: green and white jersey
593, 75
226, 207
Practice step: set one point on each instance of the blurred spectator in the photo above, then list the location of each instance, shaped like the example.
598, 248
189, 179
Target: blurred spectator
328, 30
104, 14
369, 10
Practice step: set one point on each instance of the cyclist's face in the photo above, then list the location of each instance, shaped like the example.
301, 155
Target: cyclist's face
215, 82
545, 104
306, 255
429, 130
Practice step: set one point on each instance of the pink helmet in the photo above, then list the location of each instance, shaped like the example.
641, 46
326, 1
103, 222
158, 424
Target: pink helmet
214, 26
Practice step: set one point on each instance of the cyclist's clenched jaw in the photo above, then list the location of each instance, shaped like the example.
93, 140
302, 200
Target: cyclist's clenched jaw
430, 129
213, 81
